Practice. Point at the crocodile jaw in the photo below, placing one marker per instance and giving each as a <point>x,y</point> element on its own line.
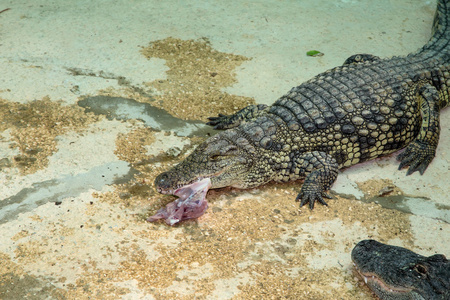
<point>182,188</point>
<point>379,287</point>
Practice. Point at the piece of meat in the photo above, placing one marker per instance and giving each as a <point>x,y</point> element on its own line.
<point>190,204</point>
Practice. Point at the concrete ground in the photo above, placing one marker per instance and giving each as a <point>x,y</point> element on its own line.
<point>99,97</point>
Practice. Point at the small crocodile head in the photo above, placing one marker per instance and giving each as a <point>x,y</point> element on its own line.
<point>397,273</point>
<point>225,158</point>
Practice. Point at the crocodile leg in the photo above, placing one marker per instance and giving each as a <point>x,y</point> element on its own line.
<point>246,114</point>
<point>419,154</point>
<point>360,58</point>
<point>323,170</point>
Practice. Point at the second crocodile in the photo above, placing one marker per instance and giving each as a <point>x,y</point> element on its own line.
<point>395,273</point>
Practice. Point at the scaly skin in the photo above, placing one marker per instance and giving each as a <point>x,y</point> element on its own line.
<point>396,273</point>
<point>367,108</point>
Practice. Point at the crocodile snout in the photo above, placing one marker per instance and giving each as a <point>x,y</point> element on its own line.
<point>162,182</point>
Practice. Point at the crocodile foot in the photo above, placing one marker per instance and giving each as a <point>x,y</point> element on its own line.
<point>311,194</point>
<point>244,115</point>
<point>220,122</point>
<point>417,155</point>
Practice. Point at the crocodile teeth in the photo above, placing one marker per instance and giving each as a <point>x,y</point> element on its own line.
<point>365,279</point>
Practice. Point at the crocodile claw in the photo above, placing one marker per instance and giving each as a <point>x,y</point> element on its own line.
<point>220,122</point>
<point>311,197</point>
<point>417,155</point>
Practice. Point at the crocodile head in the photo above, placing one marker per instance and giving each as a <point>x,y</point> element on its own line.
<point>397,273</point>
<point>226,159</point>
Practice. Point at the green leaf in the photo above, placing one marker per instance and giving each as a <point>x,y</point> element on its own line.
<point>314,53</point>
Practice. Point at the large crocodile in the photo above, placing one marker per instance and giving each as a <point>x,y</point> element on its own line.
<point>366,108</point>
<point>396,273</point>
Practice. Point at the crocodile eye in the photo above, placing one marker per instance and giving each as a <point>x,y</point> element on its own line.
<point>223,153</point>
<point>229,151</point>
<point>421,269</point>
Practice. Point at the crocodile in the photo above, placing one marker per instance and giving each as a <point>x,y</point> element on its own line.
<point>397,273</point>
<point>366,108</point>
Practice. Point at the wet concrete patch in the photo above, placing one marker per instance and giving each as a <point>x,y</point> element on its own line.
<point>19,285</point>
<point>419,206</point>
<point>385,193</point>
<point>126,109</point>
<point>56,190</point>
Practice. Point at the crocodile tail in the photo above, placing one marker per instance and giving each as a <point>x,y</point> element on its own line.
<point>439,44</point>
